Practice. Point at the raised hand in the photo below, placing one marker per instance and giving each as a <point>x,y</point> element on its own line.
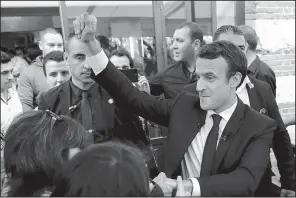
<point>85,27</point>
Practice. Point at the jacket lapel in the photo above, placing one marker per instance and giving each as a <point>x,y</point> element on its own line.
<point>108,109</point>
<point>183,134</point>
<point>228,134</point>
<point>254,97</point>
<point>61,106</point>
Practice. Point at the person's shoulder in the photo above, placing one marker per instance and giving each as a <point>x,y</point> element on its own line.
<point>264,68</point>
<point>171,67</point>
<point>51,93</point>
<point>256,119</point>
<point>260,85</point>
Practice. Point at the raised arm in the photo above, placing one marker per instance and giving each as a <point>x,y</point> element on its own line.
<point>115,83</point>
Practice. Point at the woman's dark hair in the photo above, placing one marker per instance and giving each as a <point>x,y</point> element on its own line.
<point>56,56</point>
<point>122,52</point>
<point>36,146</point>
<point>107,169</point>
<point>235,57</point>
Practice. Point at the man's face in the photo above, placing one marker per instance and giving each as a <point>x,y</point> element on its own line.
<point>79,67</point>
<point>56,73</point>
<point>51,42</point>
<point>182,46</point>
<point>212,83</point>
<point>120,62</point>
<point>20,53</point>
<point>6,76</point>
<point>238,40</point>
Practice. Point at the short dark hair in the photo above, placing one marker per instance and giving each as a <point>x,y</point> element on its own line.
<point>48,30</point>
<point>235,57</point>
<point>250,36</point>
<point>56,56</point>
<point>226,29</point>
<point>20,48</point>
<point>195,31</point>
<point>5,58</point>
<point>111,168</point>
<point>36,147</point>
<point>122,52</point>
<point>104,41</point>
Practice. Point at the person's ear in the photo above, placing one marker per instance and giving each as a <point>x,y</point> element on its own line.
<point>235,80</point>
<point>40,45</point>
<point>196,44</point>
<point>66,57</point>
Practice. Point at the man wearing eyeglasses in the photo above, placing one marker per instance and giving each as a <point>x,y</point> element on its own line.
<point>258,95</point>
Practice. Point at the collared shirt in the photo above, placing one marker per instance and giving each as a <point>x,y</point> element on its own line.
<point>172,80</point>
<point>242,91</point>
<point>9,109</point>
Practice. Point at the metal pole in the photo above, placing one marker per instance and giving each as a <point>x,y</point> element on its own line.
<point>64,19</point>
<point>160,36</point>
<point>189,11</point>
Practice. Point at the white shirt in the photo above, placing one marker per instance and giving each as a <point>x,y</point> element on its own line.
<point>191,164</point>
<point>9,109</point>
<point>192,159</point>
<point>242,91</point>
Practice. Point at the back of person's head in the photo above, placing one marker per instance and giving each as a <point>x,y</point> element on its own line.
<point>235,57</point>
<point>106,169</point>
<point>37,144</point>
<point>33,53</point>
<point>121,52</point>
<point>226,29</point>
<point>195,31</point>
<point>56,56</point>
<point>5,58</point>
<point>250,36</point>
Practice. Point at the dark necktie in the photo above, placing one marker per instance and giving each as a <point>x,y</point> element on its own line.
<point>210,147</point>
<point>86,117</point>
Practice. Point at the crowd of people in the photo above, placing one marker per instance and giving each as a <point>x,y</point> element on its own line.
<point>73,123</point>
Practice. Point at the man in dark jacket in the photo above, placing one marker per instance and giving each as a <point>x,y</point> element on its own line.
<point>32,80</point>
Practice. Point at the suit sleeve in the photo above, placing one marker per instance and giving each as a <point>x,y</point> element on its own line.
<point>25,91</point>
<point>124,93</point>
<point>282,146</point>
<point>244,180</point>
<point>41,103</point>
<point>155,83</point>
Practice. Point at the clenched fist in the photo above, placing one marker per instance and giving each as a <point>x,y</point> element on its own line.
<point>85,27</point>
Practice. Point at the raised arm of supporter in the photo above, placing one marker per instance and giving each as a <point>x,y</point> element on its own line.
<point>115,83</point>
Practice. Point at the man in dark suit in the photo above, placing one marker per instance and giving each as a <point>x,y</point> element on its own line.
<point>256,67</point>
<point>97,112</point>
<point>219,145</point>
<point>258,95</point>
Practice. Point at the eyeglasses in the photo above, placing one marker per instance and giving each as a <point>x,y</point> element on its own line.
<point>54,117</point>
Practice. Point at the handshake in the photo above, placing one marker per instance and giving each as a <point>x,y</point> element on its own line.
<point>171,187</point>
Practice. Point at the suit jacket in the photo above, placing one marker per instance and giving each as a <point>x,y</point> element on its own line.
<point>240,160</point>
<point>261,71</point>
<point>120,123</point>
<point>262,100</point>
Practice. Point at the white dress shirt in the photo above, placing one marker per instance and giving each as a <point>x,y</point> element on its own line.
<point>192,159</point>
<point>191,163</point>
<point>242,91</point>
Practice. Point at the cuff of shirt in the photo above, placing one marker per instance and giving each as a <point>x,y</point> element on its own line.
<point>195,187</point>
<point>98,62</point>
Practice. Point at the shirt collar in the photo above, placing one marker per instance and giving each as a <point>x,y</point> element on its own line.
<point>244,84</point>
<point>77,91</point>
<point>9,94</point>
<point>226,114</point>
